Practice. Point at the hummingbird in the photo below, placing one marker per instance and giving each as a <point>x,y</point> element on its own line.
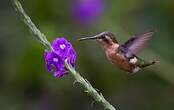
<point>124,55</point>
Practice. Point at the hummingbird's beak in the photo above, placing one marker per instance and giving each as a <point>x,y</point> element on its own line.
<point>89,38</point>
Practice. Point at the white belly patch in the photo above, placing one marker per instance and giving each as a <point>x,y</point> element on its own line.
<point>133,60</point>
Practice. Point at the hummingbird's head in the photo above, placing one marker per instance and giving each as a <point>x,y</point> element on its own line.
<point>104,38</point>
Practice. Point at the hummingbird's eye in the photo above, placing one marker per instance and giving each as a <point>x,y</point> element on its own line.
<point>103,37</point>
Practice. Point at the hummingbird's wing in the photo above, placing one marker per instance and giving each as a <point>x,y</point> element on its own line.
<point>136,44</point>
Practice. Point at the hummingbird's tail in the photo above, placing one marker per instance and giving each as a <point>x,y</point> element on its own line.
<point>145,64</point>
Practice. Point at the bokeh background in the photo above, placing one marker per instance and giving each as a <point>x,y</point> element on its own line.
<point>25,83</point>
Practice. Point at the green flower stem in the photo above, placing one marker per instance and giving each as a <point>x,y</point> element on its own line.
<point>89,89</point>
<point>40,36</point>
<point>78,78</point>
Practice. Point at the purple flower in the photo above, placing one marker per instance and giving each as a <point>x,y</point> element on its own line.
<point>87,11</point>
<point>55,59</point>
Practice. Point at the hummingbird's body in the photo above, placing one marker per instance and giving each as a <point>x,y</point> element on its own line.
<point>124,56</point>
<point>117,58</point>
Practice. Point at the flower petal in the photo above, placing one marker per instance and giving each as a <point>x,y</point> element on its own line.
<point>55,59</point>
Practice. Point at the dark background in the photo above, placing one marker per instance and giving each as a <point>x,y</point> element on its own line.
<point>25,83</point>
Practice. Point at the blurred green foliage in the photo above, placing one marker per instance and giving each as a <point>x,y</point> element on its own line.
<point>25,83</point>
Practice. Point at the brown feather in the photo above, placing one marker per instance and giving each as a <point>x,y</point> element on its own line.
<point>118,58</point>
